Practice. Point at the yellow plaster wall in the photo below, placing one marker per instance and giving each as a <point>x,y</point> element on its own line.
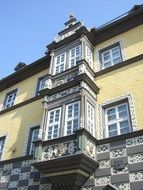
<point>26,89</point>
<point>128,79</point>
<point>132,42</point>
<point>15,124</point>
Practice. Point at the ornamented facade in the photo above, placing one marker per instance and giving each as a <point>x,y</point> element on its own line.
<point>72,120</point>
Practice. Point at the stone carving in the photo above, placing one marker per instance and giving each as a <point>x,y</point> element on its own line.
<point>118,153</point>
<point>108,102</point>
<point>137,176</point>
<point>63,149</point>
<point>119,171</point>
<point>90,149</point>
<point>102,180</point>
<point>122,186</point>
<point>60,150</point>
<point>63,93</point>
<point>134,141</point>
<point>105,164</point>
<point>103,148</point>
<point>136,158</point>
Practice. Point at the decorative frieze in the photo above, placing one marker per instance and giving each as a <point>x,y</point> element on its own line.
<point>134,141</point>
<point>135,158</point>
<point>123,186</point>
<point>59,150</point>
<point>136,176</point>
<point>114,100</point>
<point>99,181</point>
<point>118,153</point>
<point>63,93</point>
<point>103,148</point>
<point>105,164</point>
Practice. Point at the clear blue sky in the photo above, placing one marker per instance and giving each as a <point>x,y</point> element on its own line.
<point>27,26</point>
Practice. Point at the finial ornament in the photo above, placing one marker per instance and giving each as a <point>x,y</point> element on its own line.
<point>71,16</point>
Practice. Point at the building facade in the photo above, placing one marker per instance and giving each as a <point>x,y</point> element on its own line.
<point>72,120</point>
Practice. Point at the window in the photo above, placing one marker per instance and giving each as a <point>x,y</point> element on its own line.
<point>75,56</point>
<point>2,141</point>
<point>117,120</point>
<point>89,57</point>
<point>53,123</point>
<point>111,56</point>
<point>72,117</point>
<point>43,83</point>
<point>33,136</point>
<point>10,99</point>
<point>90,119</point>
<point>60,62</point>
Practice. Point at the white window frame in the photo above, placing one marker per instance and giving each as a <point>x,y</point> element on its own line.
<point>32,140</point>
<point>43,84</point>
<point>117,120</point>
<point>53,123</point>
<point>89,56</point>
<point>2,142</point>
<point>10,103</point>
<point>91,119</point>
<point>111,60</point>
<point>74,58</point>
<point>71,119</point>
<point>61,63</point>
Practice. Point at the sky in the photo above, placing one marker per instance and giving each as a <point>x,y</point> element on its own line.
<point>27,26</point>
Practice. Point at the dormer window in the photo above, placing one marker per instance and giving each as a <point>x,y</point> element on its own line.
<point>60,62</point>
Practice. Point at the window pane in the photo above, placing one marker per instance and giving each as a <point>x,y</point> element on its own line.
<point>107,64</point>
<point>106,56</point>
<point>124,127</point>
<point>116,61</point>
<point>111,111</point>
<point>112,130</point>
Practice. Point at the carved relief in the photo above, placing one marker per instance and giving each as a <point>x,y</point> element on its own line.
<point>118,153</point>
<point>103,148</point>
<point>90,149</point>
<point>136,158</point>
<point>102,180</point>
<point>137,176</point>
